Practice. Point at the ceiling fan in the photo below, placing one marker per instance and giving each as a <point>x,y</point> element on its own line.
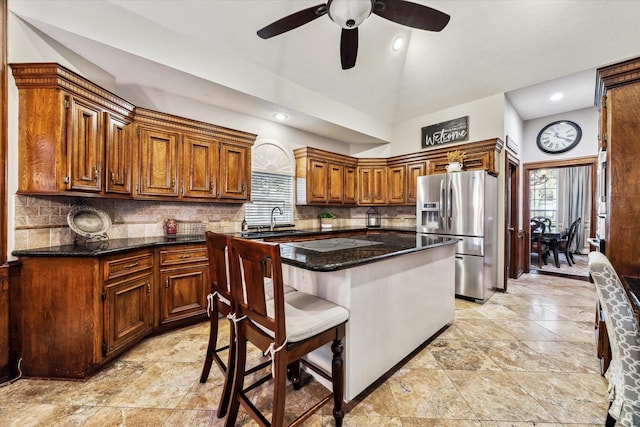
<point>349,14</point>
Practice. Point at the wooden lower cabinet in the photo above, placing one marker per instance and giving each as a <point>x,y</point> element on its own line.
<point>184,283</point>
<point>127,297</point>
<point>71,315</point>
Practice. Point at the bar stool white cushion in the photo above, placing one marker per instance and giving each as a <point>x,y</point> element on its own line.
<point>622,327</point>
<point>307,315</point>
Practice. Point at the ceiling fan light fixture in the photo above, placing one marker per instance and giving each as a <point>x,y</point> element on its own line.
<point>397,44</point>
<point>349,14</point>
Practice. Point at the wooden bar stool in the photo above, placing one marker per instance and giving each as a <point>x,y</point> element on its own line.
<point>220,305</point>
<point>287,327</point>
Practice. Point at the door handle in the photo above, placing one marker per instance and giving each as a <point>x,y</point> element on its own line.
<point>511,229</point>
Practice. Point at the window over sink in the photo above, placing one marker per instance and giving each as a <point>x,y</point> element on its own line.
<point>272,184</point>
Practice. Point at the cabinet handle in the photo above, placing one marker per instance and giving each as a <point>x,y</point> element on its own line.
<point>173,183</point>
<point>148,287</point>
<point>166,283</point>
<point>113,176</point>
<point>185,256</point>
<point>135,264</point>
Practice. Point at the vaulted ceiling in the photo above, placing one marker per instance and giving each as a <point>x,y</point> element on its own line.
<point>209,51</point>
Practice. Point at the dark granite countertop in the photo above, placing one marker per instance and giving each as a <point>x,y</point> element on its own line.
<point>107,247</point>
<point>373,245</point>
<point>379,246</point>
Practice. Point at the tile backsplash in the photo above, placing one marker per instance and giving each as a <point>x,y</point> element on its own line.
<point>42,221</point>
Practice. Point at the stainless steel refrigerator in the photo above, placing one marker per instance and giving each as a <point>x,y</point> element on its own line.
<point>463,206</point>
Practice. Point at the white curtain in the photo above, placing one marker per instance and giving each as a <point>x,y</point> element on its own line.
<point>575,185</point>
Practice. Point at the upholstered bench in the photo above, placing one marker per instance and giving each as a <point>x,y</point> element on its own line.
<point>624,371</point>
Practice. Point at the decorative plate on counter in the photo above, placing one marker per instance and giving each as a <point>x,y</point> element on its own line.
<point>88,222</point>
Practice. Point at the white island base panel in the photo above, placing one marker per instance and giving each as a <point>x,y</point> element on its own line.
<point>394,305</point>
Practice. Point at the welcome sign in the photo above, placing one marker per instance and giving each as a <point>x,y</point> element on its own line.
<point>445,132</point>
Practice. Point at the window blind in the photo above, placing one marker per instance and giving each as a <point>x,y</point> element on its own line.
<point>267,192</point>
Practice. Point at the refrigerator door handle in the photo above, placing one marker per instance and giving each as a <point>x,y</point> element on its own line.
<point>441,206</point>
<point>449,205</point>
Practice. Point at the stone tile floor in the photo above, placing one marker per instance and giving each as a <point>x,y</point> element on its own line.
<point>524,358</point>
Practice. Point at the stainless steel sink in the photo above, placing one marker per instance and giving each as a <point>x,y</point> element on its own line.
<point>269,233</point>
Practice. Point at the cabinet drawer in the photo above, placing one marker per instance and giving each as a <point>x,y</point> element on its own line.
<point>122,266</point>
<point>183,255</point>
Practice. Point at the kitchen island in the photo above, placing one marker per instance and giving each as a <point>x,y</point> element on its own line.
<point>399,289</point>
<point>77,308</point>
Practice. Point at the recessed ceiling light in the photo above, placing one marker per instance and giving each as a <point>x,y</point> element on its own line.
<point>281,116</point>
<point>398,42</point>
<point>557,96</point>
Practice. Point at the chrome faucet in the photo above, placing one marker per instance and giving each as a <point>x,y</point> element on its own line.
<point>273,220</point>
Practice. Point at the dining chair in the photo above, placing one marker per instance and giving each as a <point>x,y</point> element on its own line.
<point>623,330</point>
<point>287,327</point>
<point>220,304</point>
<point>538,245</point>
<point>565,245</point>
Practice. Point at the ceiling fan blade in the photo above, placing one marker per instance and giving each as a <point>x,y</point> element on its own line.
<point>292,21</point>
<point>411,14</point>
<point>348,48</point>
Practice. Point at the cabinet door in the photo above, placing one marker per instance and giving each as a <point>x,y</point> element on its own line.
<point>317,178</point>
<point>184,292</point>
<point>85,148</point>
<point>234,174</point>
<point>118,155</point>
<point>158,164</point>
<point>350,185</point>
<point>372,185</point>
<point>128,314</point>
<point>200,167</point>
<point>336,183</point>
<point>397,183</point>
<point>414,170</point>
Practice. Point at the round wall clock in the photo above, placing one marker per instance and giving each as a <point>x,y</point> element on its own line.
<point>558,137</point>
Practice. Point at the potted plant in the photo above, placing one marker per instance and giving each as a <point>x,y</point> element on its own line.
<point>326,219</point>
<point>456,160</point>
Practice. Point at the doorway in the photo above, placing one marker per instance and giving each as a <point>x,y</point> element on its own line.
<point>539,172</point>
<point>512,268</point>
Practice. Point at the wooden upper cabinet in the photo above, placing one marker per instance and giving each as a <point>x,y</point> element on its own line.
<point>199,177</point>
<point>86,145</point>
<point>158,163</point>
<point>481,155</point>
<point>64,131</point>
<point>235,171</point>
<point>209,163</point>
<point>318,173</point>
<point>414,170</point>
<point>118,155</point>
<point>42,155</point>
<point>75,138</point>
<point>372,183</point>
<point>350,188</point>
<point>335,187</point>
<point>397,184</point>
<point>324,178</point>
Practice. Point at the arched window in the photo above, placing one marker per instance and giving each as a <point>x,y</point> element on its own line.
<point>272,185</point>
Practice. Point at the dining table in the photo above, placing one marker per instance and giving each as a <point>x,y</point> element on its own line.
<point>554,238</point>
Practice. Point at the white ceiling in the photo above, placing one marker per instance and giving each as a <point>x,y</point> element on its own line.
<point>209,51</point>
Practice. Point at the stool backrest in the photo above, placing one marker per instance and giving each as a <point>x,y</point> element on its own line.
<point>217,245</point>
<point>249,263</point>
